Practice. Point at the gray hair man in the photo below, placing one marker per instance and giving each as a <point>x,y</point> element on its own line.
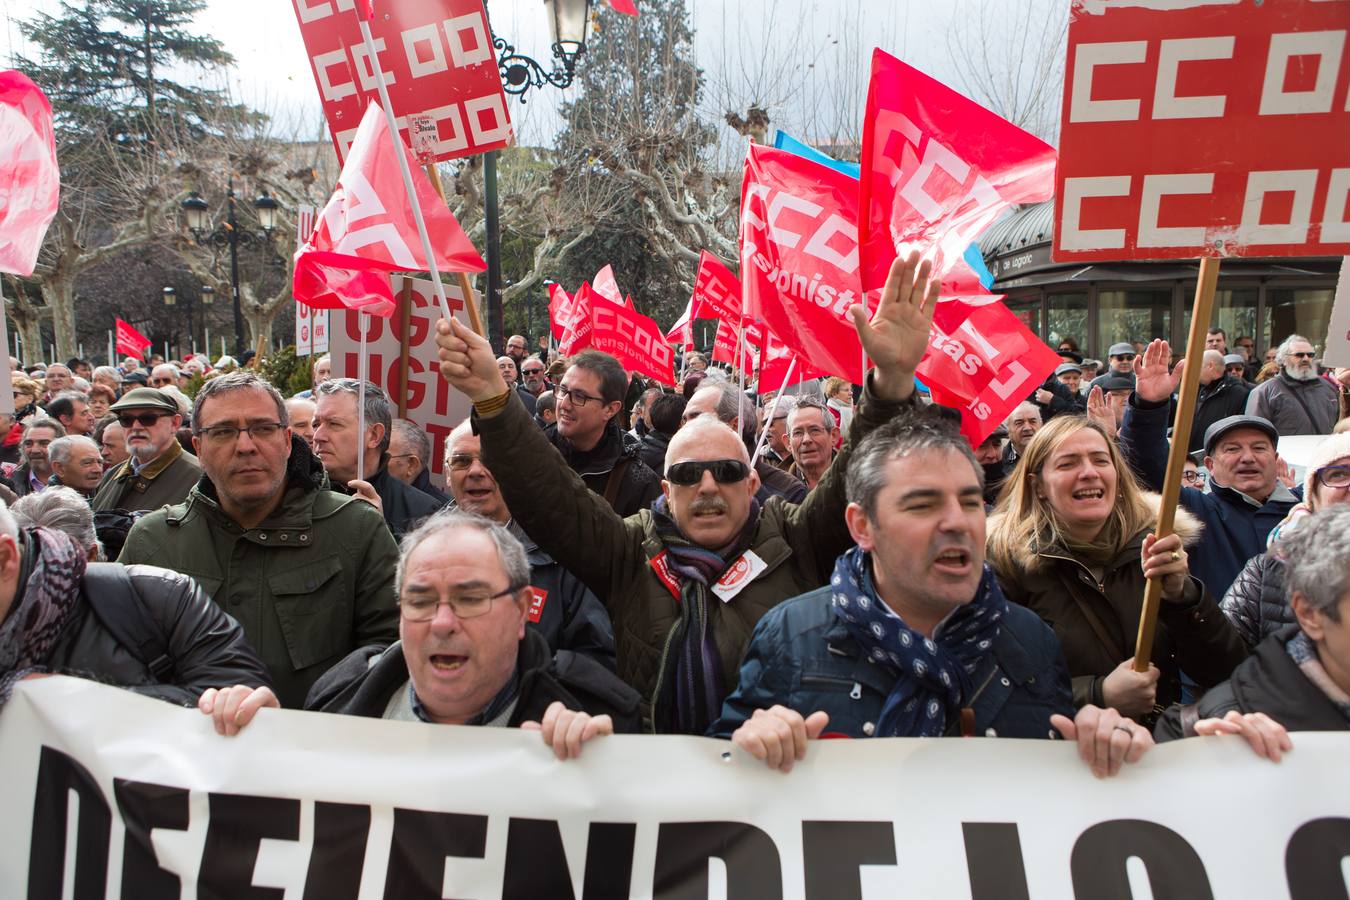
<point>1221,395</point>
<point>306,571</point>
<point>64,510</point>
<point>32,474</point>
<point>812,432</point>
<point>339,443</point>
<point>301,412</point>
<point>410,458</point>
<point>159,470</point>
<point>464,654</point>
<point>1297,400</point>
<point>734,410</point>
<point>915,621</point>
<point>76,463</point>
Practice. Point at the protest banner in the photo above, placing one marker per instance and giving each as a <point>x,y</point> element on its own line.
<point>30,179</point>
<point>559,310</point>
<point>431,402</point>
<point>717,292</point>
<point>577,328</point>
<point>107,788</point>
<point>635,340</point>
<point>1204,128</point>
<point>438,61</point>
<point>130,341</point>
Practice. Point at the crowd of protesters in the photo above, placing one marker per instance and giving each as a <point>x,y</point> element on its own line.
<point>608,556</point>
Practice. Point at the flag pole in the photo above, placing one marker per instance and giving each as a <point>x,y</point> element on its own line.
<point>403,168</point>
<point>361,396</point>
<point>405,322</point>
<point>465,287</point>
<point>773,408</point>
<point>1171,492</point>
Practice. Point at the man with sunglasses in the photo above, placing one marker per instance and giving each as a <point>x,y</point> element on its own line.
<point>686,581</point>
<point>306,571</point>
<point>159,471</point>
<point>1121,363</point>
<point>1297,400</point>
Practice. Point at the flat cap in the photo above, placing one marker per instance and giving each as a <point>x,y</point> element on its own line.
<point>1121,349</point>
<point>145,398</point>
<point>1223,426</point>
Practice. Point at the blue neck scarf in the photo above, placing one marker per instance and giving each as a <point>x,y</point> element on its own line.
<point>933,675</point>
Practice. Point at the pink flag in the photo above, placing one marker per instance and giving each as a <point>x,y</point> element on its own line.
<point>937,169</point>
<point>577,332</point>
<point>724,347</point>
<point>559,310</point>
<point>774,364</point>
<point>683,329</point>
<point>30,181</point>
<point>606,286</point>
<point>333,287</point>
<point>368,224</point>
<point>627,7</point>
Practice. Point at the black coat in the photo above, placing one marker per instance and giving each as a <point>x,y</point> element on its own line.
<point>652,450</point>
<point>1269,682</point>
<point>1221,398</point>
<point>1256,604</point>
<point>359,687</point>
<point>404,506</point>
<point>423,483</point>
<point>638,485</point>
<point>206,646</point>
<point>1064,402</point>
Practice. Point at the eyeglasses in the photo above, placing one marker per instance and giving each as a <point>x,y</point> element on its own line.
<point>1125,356</point>
<point>223,435</point>
<point>1335,477</point>
<point>159,381</point>
<point>533,371</point>
<point>1193,477</point>
<point>145,419</point>
<point>461,461</point>
<point>1303,355</point>
<point>814,431</point>
<point>468,606</point>
<point>724,471</point>
<point>575,397</point>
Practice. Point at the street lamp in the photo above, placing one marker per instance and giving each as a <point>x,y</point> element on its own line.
<point>170,296</point>
<point>568,21</point>
<point>197,217</point>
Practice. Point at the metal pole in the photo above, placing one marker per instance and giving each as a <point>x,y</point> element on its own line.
<point>496,327</point>
<point>234,273</point>
<point>361,401</point>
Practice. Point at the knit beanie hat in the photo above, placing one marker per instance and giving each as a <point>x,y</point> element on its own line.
<point>1335,447</point>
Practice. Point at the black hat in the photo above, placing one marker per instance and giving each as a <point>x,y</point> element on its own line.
<point>145,398</point>
<point>1223,426</point>
<point>1117,382</point>
<point>1070,354</point>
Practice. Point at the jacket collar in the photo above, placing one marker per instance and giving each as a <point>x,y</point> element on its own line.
<point>152,469</point>
<point>595,461</point>
<point>305,476</point>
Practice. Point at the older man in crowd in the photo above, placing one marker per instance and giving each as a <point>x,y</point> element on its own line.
<point>410,458</point>
<point>32,474</point>
<point>1120,362</point>
<point>1221,395</point>
<point>76,463</point>
<point>159,471</point>
<point>112,443</point>
<point>812,433</point>
<point>1022,424</point>
<point>685,580</point>
<point>71,409</point>
<point>1244,501</point>
<point>57,379</point>
<point>301,412</point>
<point>308,572</point>
<point>734,410</point>
<point>339,443</point>
<point>1297,400</point>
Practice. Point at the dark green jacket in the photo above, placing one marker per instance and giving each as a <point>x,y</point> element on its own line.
<point>312,583</point>
<point>613,556</point>
<point>167,479</point>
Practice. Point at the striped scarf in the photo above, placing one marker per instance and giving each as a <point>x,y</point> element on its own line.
<point>41,607</point>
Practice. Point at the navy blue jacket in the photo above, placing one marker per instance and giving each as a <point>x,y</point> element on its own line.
<point>802,656</point>
<point>1235,530</point>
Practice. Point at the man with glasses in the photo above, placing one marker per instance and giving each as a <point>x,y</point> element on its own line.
<point>533,380</point>
<point>306,571</point>
<point>165,375</point>
<point>1191,475</point>
<point>57,379</point>
<point>686,580</point>
<point>464,656</point>
<point>158,471</point>
<point>410,459</point>
<point>1297,400</point>
<point>811,437</point>
<point>1121,363</point>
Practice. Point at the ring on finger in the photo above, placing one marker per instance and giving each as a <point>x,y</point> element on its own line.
<point>1125,728</point>
<point>1176,556</point>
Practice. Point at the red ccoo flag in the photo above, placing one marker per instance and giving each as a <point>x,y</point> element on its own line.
<point>368,226</point>
<point>130,341</point>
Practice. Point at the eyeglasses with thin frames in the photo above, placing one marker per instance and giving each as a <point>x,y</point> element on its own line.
<point>575,397</point>
<point>223,435</point>
<point>468,606</point>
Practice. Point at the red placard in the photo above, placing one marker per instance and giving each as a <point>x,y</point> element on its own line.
<point>633,339</point>
<point>438,61</point>
<point>1210,128</point>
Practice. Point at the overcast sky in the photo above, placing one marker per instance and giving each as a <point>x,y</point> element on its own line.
<point>828,43</point>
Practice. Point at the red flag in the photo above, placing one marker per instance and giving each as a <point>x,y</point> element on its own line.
<point>559,310</point>
<point>683,329</point>
<point>627,7</point>
<point>634,340</point>
<point>333,287</point>
<point>130,342</point>
<point>577,334</point>
<point>774,364</point>
<point>716,291</point>
<point>937,169</point>
<point>605,285</point>
<point>368,224</point>
<point>30,181</point>
<point>799,256</point>
<point>724,347</point>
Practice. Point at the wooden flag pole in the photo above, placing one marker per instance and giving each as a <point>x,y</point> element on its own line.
<point>470,304</point>
<point>405,321</point>
<point>1181,430</point>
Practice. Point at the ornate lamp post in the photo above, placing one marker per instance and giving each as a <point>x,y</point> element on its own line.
<point>568,21</point>
<point>197,215</point>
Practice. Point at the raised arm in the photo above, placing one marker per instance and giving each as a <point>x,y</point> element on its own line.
<point>1143,433</point>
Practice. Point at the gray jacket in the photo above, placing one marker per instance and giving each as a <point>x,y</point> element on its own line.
<point>1277,399</point>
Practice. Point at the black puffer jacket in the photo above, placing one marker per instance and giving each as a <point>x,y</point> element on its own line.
<point>638,485</point>
<point>1255,603</point>
<point>206,646</point>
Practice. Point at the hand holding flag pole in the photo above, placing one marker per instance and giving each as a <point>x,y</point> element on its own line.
<point>773,409</point>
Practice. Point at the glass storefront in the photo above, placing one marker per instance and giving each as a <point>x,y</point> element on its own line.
<point>1132,314</point>
<point>1304,311</point>
<point>1234,312</point>
<point>1066,316</point>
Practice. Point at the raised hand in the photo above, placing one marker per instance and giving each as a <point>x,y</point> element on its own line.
<point>896,337</point>
<point>1100,411</point>
<point>1152,381</point>
<point>467,361</point>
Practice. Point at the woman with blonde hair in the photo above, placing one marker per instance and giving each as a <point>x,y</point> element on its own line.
<point>1072,539</point>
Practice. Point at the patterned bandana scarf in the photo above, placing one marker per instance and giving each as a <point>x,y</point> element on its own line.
<point>1304,654</point>
<point>933,675</point>
<point>41,607</point>
<point>692,684</point>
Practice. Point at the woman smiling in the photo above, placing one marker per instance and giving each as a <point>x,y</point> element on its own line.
<point>1071,538</point>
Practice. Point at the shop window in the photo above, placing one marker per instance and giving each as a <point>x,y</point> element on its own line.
<point>1133,316</point>
<point>1067,317</point>
<point>1304,311</point>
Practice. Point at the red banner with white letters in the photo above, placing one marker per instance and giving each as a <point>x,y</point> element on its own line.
<point>717,292</point>
<point>439,63</point>
<point>30,179</point>
<point>937,169</point>
<point>799,256</point>
<point>1204,129</point>
<point>577,326</point>
<point>130,341</point>
<point>559,310</point>
<point>633,339</point>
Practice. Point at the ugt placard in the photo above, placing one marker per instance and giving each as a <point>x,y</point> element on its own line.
<point>438,62</point>
<point>1205,128</point>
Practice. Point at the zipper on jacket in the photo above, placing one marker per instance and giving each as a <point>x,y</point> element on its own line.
<point>855,687</point>
<point>980,689</point>
<point>1101,585</point>
<point>661,672</point>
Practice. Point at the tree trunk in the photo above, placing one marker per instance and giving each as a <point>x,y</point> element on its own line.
<point>58,290</point>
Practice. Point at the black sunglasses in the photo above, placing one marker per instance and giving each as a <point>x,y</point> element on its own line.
<point>146,420</point>
<point>724,471</point>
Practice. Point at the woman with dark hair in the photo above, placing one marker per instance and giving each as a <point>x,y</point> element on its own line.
<point>1067,539</point>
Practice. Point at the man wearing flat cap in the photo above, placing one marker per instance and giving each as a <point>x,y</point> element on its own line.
<point>159,471</point>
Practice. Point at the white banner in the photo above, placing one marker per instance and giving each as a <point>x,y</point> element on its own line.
<point>1338,329</point>
<point>104,787</point>
<point>432,403</point>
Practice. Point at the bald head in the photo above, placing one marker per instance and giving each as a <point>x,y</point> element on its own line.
<point>1211,366</point>
<point>705,438</point>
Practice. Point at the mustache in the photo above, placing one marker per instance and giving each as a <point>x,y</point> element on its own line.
<point>707,504</point>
